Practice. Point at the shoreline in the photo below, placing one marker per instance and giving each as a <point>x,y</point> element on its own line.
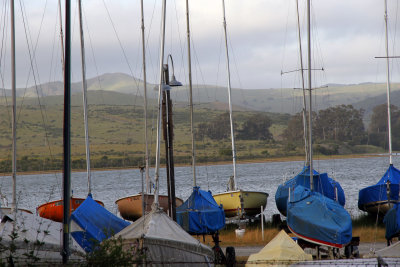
<point>246,161</point>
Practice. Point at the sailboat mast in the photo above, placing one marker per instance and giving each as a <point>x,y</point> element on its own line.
<point>61,34</point>
<point>307,162</point>
<point>310,94</point>
<point>85,104</point>
<point>160,87</point>
<point>14,111</point>
<point>190,94</point>
<point>146,153</point>
<point>230,100</point>
<point>67,134</point>
<point>388,86</point>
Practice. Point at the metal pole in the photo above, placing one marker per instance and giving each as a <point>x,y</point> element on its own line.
<point>143,203</point>
<point>14,111</point>
<point>307,162</point>
<point>230,100</point>
<point>146,156</point>
<point>157,167</point>
<point>66,134</point>
<point>310,95</point>
<point>85,104</point>
<point>190,95</point>
<point>388,86</point>
<point>262,223</point>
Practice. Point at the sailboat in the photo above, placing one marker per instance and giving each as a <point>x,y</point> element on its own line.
<point>26,238</point>
<point>54,210</point>
<point>199,214</point>
<point>164,241</point>
<point>237,202</point>
<point>392,217</point>
<point>379,198</point>
<point>134,206</point>
<point>323,183</point>
<point>312,216</point>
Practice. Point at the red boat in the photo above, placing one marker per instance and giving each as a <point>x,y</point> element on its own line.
<point>54,210</point>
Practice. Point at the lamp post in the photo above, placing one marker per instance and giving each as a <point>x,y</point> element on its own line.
<point>169,134</point>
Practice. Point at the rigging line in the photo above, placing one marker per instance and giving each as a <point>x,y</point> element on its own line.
<point>32,54</point>
<point>120,44</point>
<point>180,42</point>
<point>32,59</point>
<point>2,56</point>
<point>150,59</point>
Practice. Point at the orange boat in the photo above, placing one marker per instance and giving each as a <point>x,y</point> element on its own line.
<point>130,207</point>
<point>54,210</point>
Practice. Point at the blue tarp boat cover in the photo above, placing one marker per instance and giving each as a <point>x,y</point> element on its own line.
<point>374,193</point>
<point>200,214</point>
<point>392,222</point>
<point>317,218</point>
<point>91,223</point>
<point>322,184</point>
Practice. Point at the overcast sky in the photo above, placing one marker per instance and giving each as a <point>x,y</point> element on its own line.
<point>347,35</point>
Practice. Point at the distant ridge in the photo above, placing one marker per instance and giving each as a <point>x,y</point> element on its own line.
<point>122,89</point>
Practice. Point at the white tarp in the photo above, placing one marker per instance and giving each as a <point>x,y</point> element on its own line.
<point>280,251</point>
<point>36,240</point>
<point>392,251</point>
<point>165,241</point>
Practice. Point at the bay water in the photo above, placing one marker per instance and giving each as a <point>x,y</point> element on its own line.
<point>352,173</point>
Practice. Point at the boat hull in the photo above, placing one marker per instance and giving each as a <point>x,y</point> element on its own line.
<point>131,209</point>
<point>373,199</point>
<point>55,210</point>
<point>392,222</point>
<point>322,184</point>
<point>318,219</point>
<point>233,201</point>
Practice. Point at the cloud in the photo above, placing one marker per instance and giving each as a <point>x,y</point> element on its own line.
<point>262,38</point>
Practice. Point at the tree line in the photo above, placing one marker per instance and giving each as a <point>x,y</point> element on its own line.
<point>342,124</point>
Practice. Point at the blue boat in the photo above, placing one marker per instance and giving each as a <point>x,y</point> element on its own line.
<point>91,223</point>
<point>376,198</point>
<point>315,211</point>
<point>392,222</point>
<point>318,219</point>
<point>200,214</point>
<point>322,184</point>
<point>380,197</point>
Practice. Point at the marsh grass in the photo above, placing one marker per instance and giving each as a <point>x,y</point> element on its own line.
<point>253,236</point>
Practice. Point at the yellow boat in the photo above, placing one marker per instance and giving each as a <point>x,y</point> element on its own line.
<point>241,203</point>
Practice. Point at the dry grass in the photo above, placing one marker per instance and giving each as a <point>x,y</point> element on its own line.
<point>253,236</point>
<point>370,234</point>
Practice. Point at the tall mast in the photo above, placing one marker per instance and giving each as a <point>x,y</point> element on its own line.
<point>14,111</point>
<point>160,87</point>
<point>146,156</point>
<point>61,34</point>
<point>307,162</point>
<point>230,100</point>
<point>190,94</point>
<point>85,104</point>
<point>67,134</point>
<point>388,86</point>
<point>310,94</point>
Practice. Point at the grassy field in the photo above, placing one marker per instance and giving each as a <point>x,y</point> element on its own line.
<point>117,136</point>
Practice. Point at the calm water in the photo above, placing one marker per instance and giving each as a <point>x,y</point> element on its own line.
<point>108,186</point>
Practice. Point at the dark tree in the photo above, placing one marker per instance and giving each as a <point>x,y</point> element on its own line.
<point>216,129</point>
<point>295,130</point>
<point>340,123</point>
<point>256,128</point>
<point>379,117</point>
